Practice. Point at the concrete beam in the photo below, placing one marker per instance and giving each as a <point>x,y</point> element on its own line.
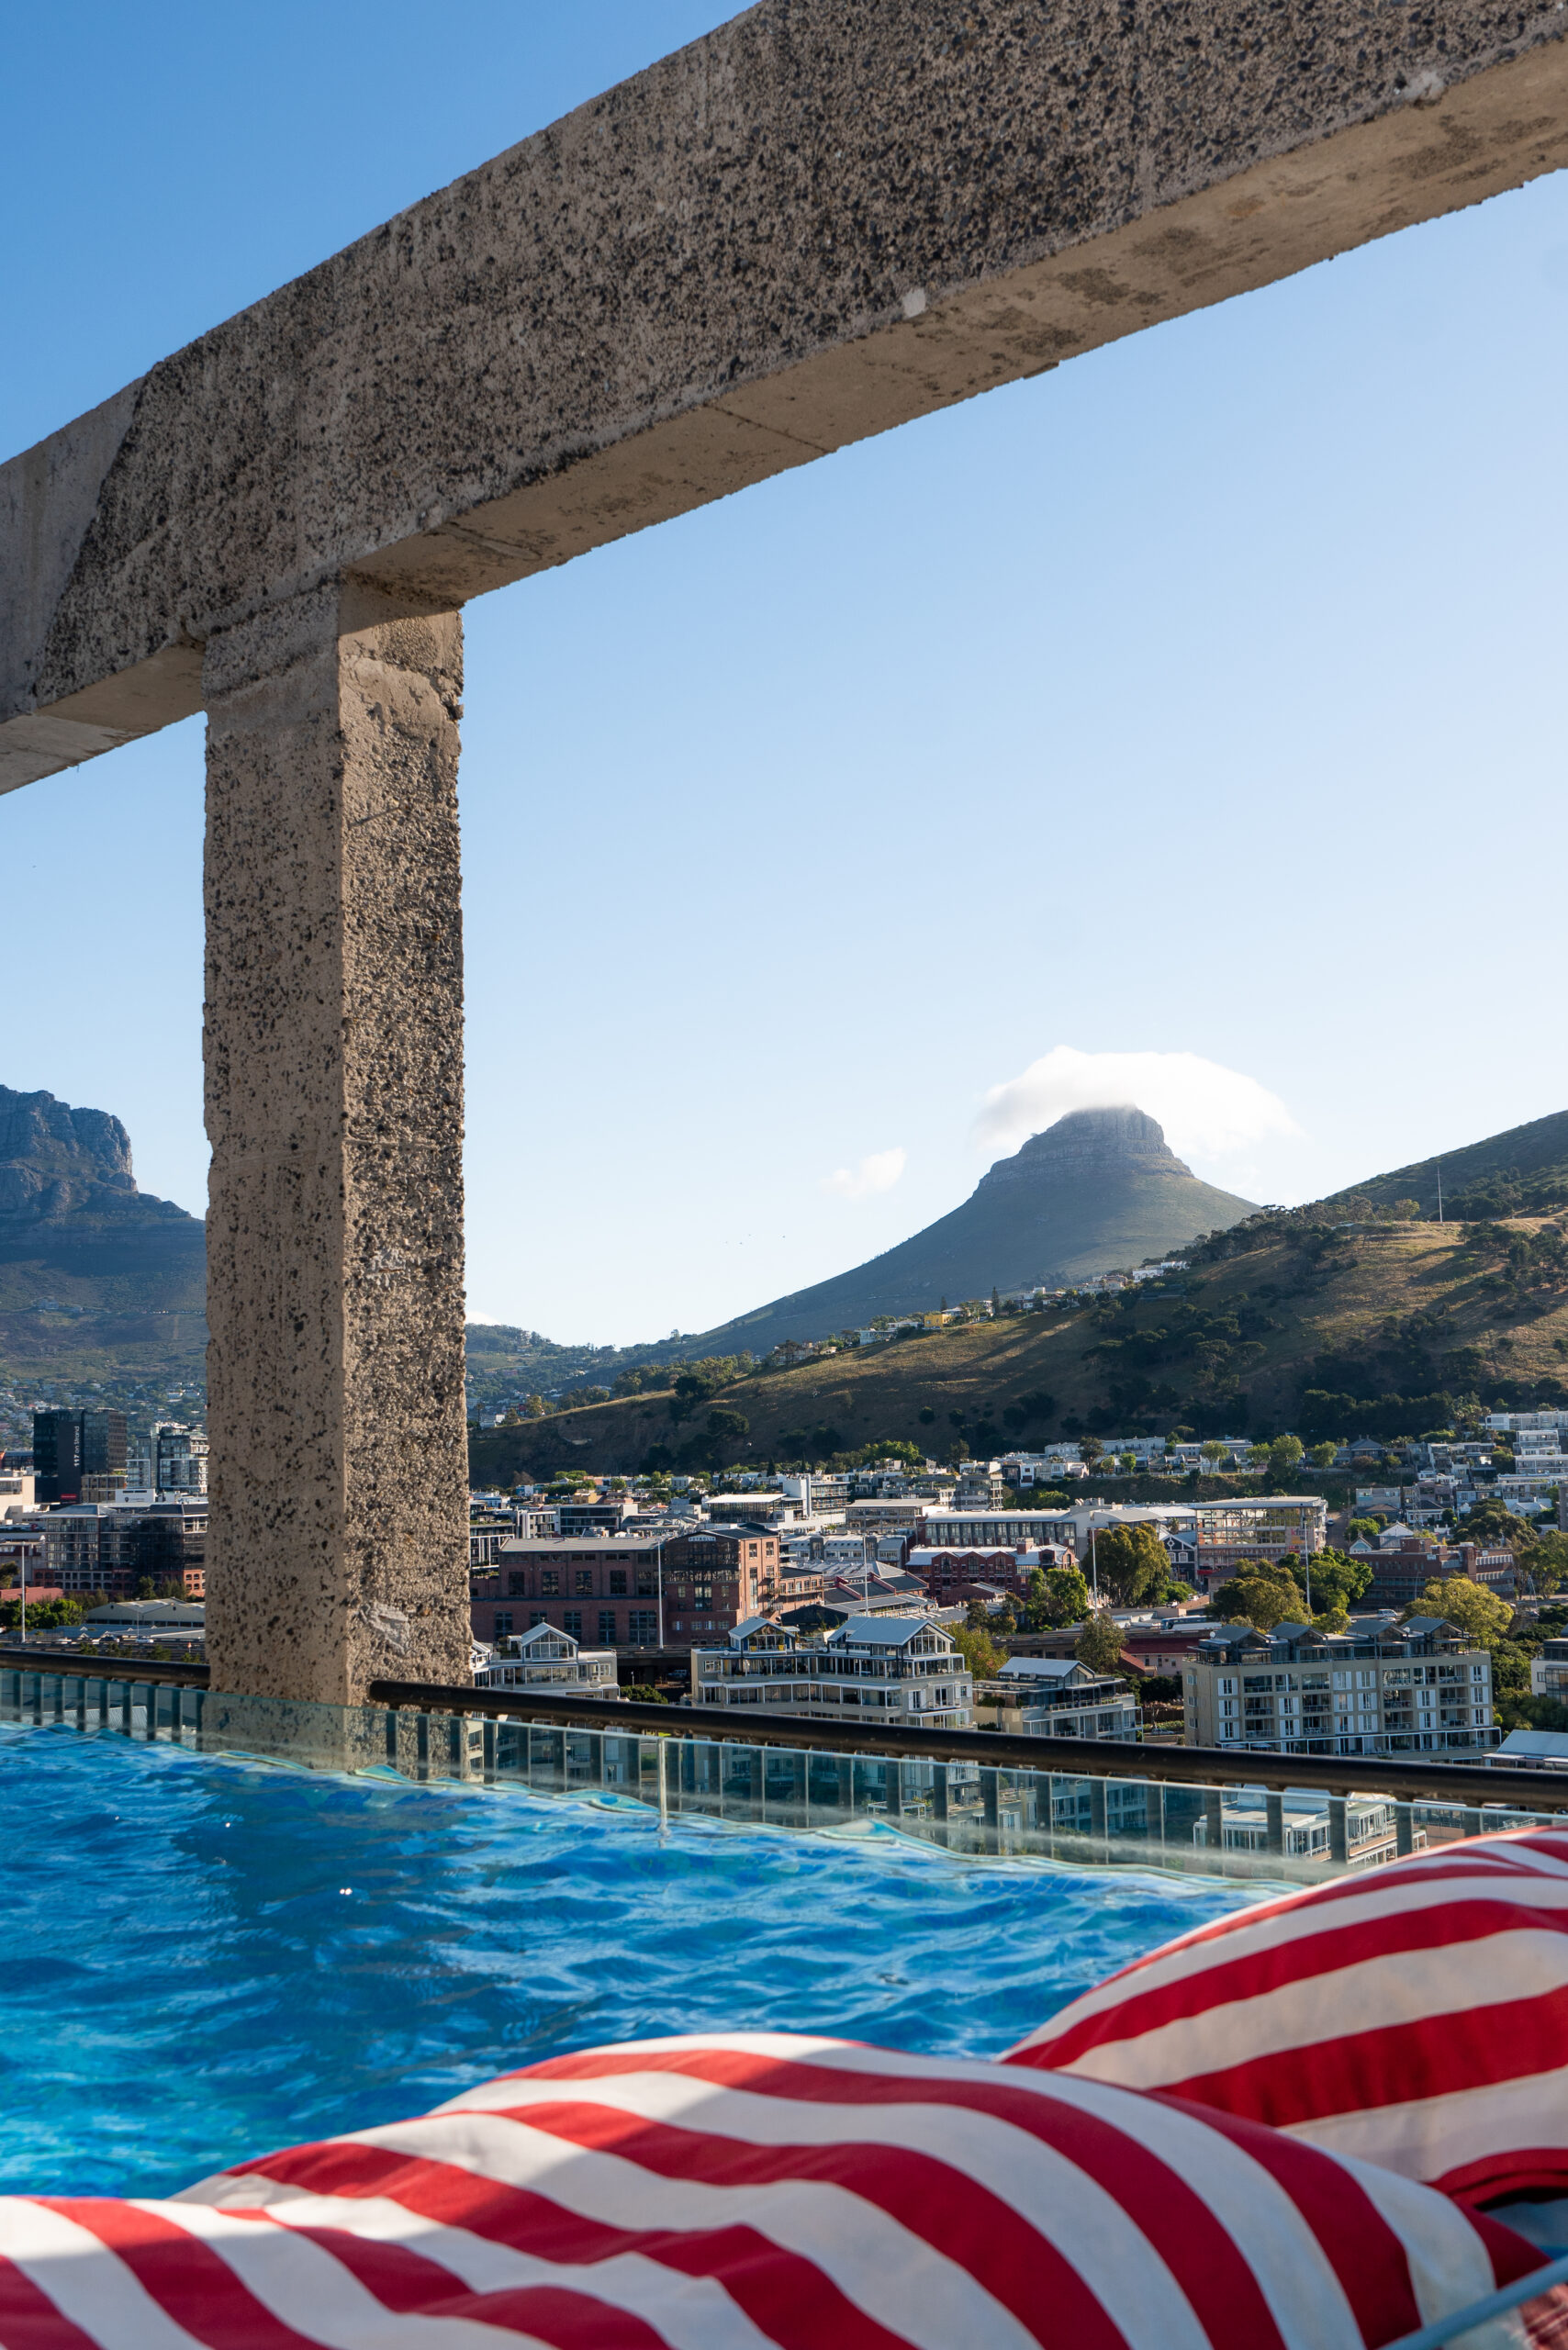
<point>825,218</point>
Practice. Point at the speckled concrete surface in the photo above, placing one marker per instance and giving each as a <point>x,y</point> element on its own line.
<point>338,1543</point>
<point>825,217</point>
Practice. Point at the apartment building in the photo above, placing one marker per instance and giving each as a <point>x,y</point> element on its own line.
<point>629,1592</point>
<point>601,1585</point>
<point>1549,1670</point>
<point>1231,1534</point>
<point>115,1547</point>
<point>1403,1562</point>
<point>547,1658</point>
<point>1043,1696</point>
<point>870,1669</point>
<point>947,1574</point>
<point>994,1529</point>
<point>1382,1689</point>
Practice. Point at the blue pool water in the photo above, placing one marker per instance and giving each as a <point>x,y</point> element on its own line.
<point>204,1958</point>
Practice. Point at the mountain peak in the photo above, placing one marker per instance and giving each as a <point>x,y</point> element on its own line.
<point>1115,1133</point>
<point>53,1157</point>
<point>1098,1189</point>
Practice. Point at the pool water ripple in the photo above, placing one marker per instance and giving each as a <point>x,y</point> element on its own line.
<point>207,1958</point>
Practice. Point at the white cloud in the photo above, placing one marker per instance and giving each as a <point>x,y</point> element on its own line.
<point>1203,1108</point>
<point>878,1172</point>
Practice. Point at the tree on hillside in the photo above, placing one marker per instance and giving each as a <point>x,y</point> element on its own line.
<point>1322,1456</point>
<point>1547,1560</point>
<point>1494,1526</point>
<point>1099,1645</point>
<point>1283,1454</point>
<point>1131,1562</point>
<point>1089,1448</point>
<point>1479,1614</point>
<point>1215,1452</point>
<point>726,1427</point>
<point>1260,1596</point>
<point>1362,1529</point>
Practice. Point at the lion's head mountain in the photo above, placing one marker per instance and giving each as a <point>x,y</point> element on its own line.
<point>1100,1188</point>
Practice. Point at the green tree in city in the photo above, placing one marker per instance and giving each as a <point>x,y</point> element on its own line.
<point>980,1652</point>
<point>1284,1455</point>
<point>1322,1456</point>
<point>1329,1578</point>
<point>1494,1527</point>
<point>1131,1562</point>
<point>1362,1529</point>
<point>1100,1644</point>
<point>1213,1453</point>
<point>1067,1595</point>
<point>1260,1595</point>
<point>1478,1613</point>
<point>1547,1560</point>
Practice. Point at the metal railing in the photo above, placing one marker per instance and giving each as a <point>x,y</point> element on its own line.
<point>1105,1803</point>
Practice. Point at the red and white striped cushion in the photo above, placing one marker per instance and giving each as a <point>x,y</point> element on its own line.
<point>736,2193</point>
<point>1416,2017</point>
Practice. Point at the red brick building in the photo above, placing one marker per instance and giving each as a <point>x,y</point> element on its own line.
<point>947,1573</point>
<point>607,1590</point>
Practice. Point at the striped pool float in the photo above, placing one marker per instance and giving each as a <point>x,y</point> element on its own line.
<point>1416,2017</point>
<point>736,2192</point>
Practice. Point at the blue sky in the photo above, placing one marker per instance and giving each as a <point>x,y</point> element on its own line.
<point>1201,697</point>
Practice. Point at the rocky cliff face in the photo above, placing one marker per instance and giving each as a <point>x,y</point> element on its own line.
<point>1098,1189</point>
<point>53,1159</point>
<point>88,1263</point>
<point>1117,1138</point>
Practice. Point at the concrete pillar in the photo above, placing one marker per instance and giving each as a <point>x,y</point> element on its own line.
<point>338,1534</point>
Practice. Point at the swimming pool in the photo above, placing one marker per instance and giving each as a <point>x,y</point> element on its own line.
<point>205,1957</point>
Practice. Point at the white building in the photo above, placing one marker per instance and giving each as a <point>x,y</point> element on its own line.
<point>1385,1688</point>
<point>870,1668</point>
<point>1055,1696</point>
<point>1549,1670</point>
<point>147,1619</point>
<point>1531,1750</point>
<point>547,1659</point>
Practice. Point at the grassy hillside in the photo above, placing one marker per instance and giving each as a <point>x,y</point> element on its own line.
<point>1525,1170</point>
<point>1286,1323</point>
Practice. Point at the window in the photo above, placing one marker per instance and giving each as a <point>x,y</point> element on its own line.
<point>641,1628</point>
<point>550,1582</point>
<point>573,1622</point>
<point>582,1582</point>
<point>644,1582</point>
<point>606,1622</point>
<point>618,1582</point>
<point>516,1584</point>
<point>503,1622</point>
